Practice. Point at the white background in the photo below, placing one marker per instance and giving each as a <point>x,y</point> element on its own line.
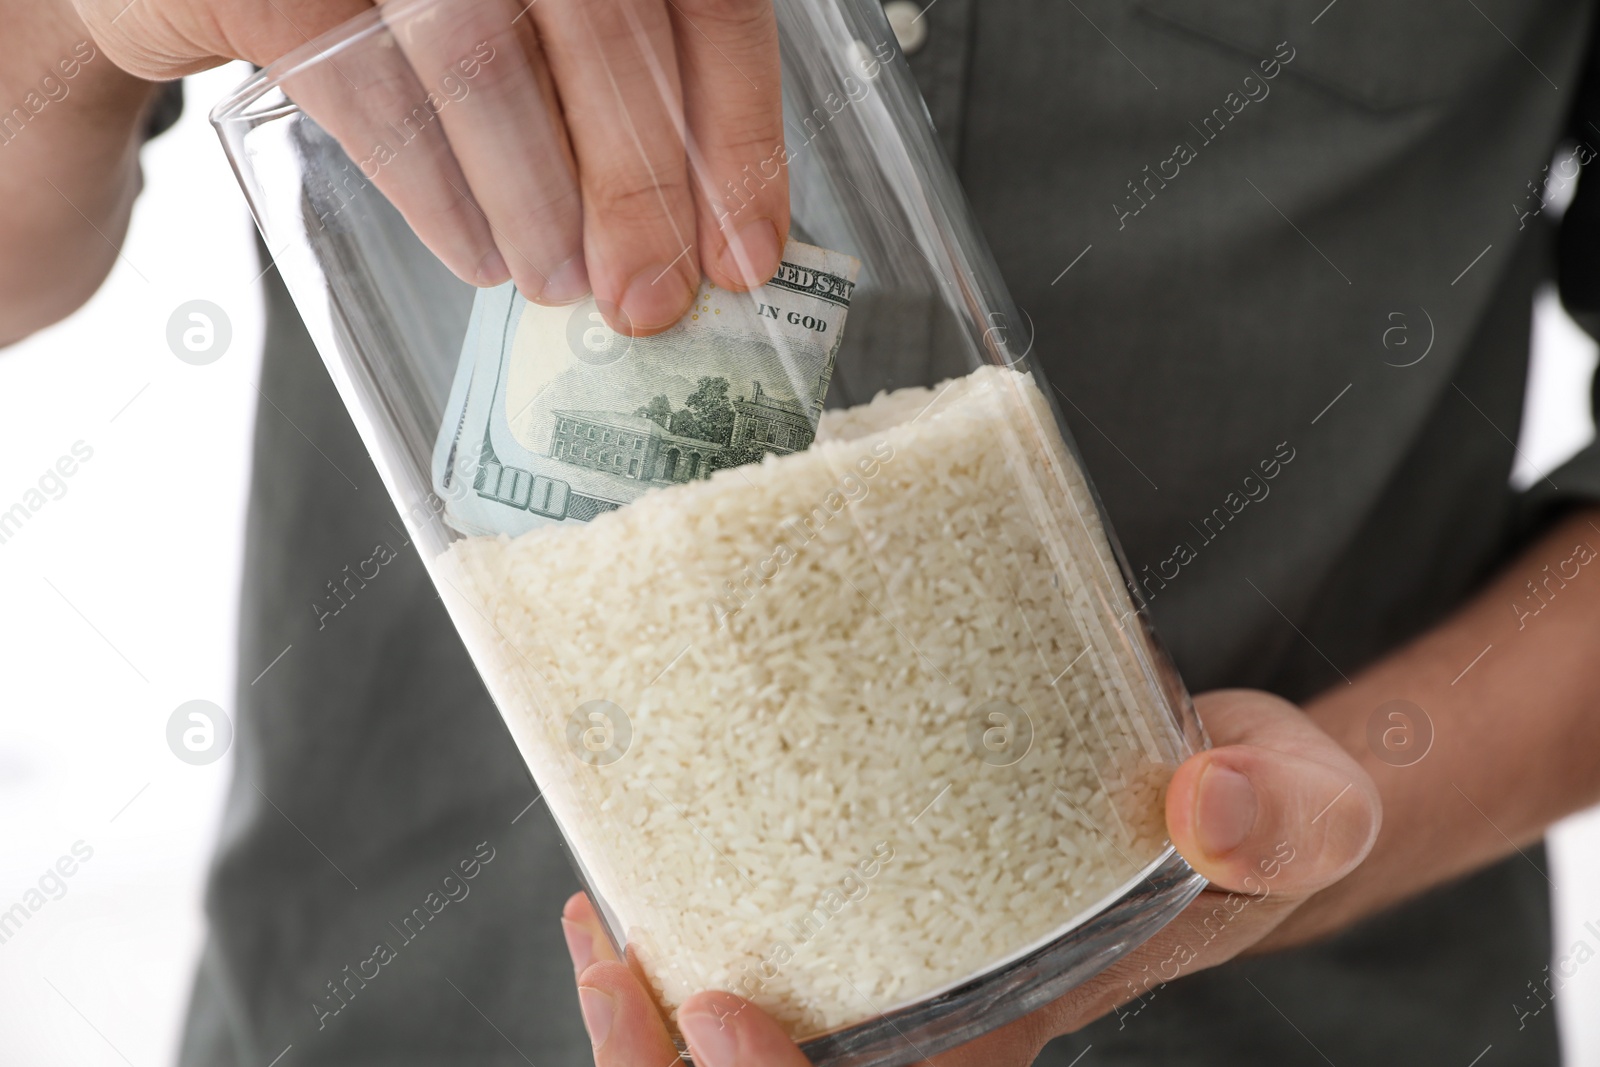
<point>117,604</point>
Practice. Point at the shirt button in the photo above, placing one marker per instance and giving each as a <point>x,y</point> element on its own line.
<point>910,28</point>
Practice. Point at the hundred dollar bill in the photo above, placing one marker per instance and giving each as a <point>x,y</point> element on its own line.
<point>555,417</point>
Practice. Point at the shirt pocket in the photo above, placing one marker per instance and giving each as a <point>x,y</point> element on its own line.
<point>1380,54</point>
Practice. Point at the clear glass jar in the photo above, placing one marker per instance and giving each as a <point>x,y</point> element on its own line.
<point>868,728</point>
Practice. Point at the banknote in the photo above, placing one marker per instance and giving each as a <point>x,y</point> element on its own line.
<point>555,417</point>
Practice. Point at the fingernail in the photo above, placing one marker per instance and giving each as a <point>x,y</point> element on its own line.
<point>753,252</point>
<point>580,945</point>
<point>1225,810</point>
<point>492,269</point>
<point>711,1039</point>
<point>567,283</point>
<point>657,296</point>
<point>597,1012</point>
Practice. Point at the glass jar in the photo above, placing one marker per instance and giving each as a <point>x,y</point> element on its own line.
<point>803,614</point>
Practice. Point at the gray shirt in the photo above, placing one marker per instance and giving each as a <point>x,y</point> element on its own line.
<point>1212,211</point>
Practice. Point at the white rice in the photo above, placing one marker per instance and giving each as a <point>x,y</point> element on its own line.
<point>801,648</point>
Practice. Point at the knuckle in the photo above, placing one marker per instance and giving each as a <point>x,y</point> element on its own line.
<point>499,73</point>
<point>639,195</point>
<point>556,222</point>
<point>615,26</point>
<point>757,141</point>
<point>475,49</point>
<point>138,48</point>
<point>393,95</point>
<point>730,15</point>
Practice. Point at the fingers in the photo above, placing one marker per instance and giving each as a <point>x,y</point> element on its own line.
<point>722,1030</point>
<point>587,943</point>
<point>557,144</point>
<point>1277,795</point>
<point>626,179</point>
<point>623,1025</point>
<point>158,42</point>
<point>728,1031</point>
<point>616,64</point>
<point>733,102</point>
<point>499,111</point>
<point>387,122</point>
<point>1272,814</point>
<point>1277,806</point>
<point>384,114</point>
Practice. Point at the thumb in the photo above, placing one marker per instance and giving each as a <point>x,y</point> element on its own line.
<point>1277,799</point>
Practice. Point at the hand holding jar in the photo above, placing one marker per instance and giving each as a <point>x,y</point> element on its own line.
<point>1274,813</point>
<point>564,144</point>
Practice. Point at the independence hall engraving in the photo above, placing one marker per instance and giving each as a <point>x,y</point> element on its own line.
<point>641,449</point>
<point>629,446</point>
<point>763,420</point>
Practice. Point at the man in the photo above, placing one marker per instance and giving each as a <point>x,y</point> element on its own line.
<point>1214,212</point>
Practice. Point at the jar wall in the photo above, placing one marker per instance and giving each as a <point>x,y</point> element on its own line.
<point>869,732</point>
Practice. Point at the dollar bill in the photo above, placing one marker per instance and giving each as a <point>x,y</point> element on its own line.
<point>554,417</point>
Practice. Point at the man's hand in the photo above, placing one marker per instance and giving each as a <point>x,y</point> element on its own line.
<point>69,149</point>
<point>1274,813</point>
<point>722,1030</point>
<point>564,164</point>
